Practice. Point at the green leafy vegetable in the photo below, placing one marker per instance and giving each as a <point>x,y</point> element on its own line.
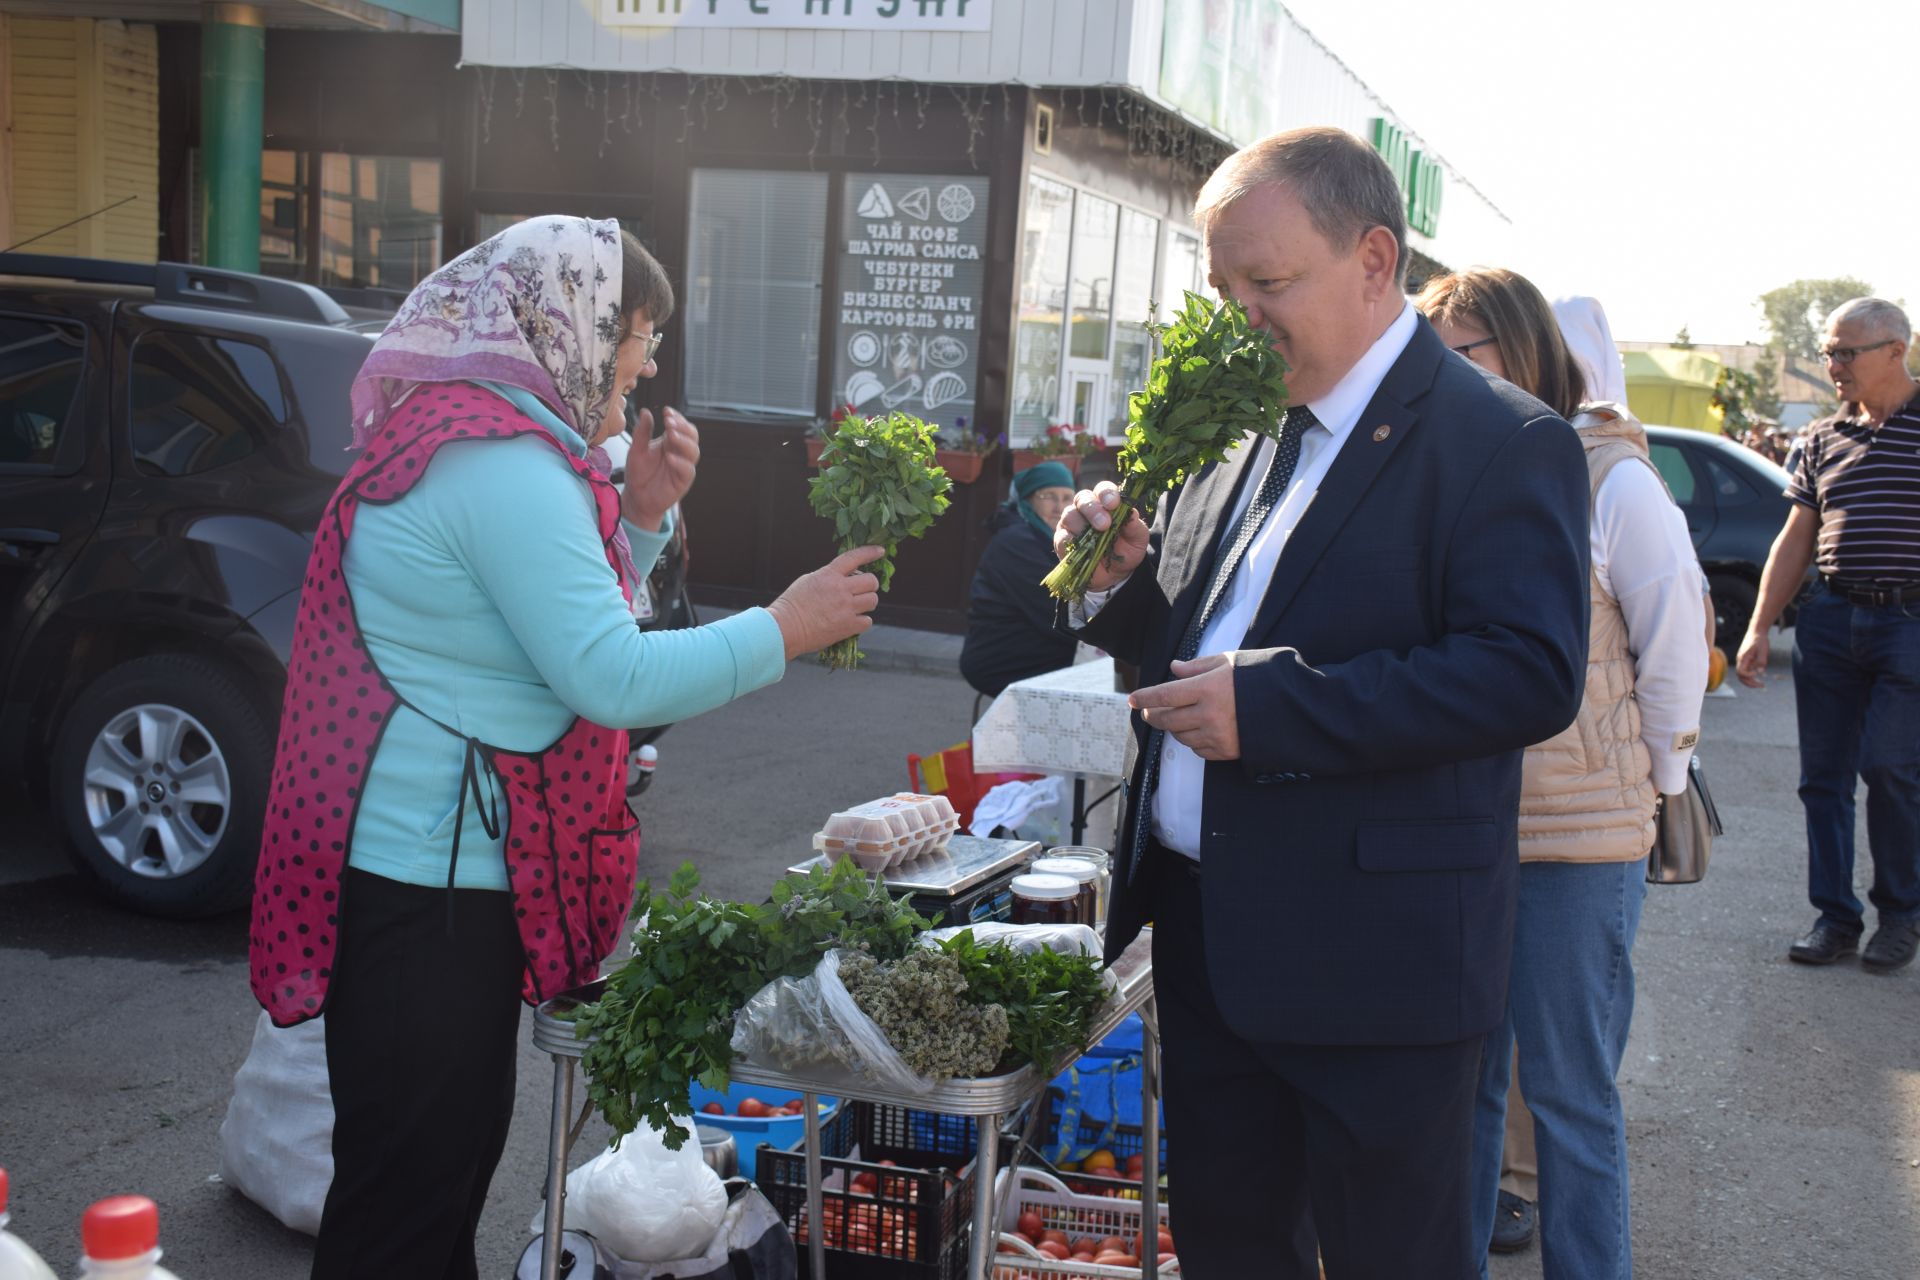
<point>667,1017</point>
<point>879,485</point>
<point>921,1004</point>
<point>1051,998</point>
<point>1218,380</point>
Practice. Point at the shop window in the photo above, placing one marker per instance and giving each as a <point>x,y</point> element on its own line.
<point>1096,234</point>
<point>363,222</point>
<point>755,263</point>
<point>1184,271</point>
<point>1044,247</point>
<point>1133,304</point>
<point>199,403</point>
<point>41,363</point>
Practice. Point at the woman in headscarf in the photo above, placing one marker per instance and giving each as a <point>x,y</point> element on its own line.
<point>447,829</point>
<point>1588,797</point>
<point>1010,631</point>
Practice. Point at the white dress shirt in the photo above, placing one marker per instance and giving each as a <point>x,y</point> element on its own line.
<point>1177,796</point>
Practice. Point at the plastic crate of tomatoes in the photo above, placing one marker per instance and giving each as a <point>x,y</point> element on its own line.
<point>896,1191</point>
<point>1050,1231</point>
<point>1108,1158</point>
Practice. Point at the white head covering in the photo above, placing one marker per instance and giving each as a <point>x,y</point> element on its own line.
<point>1588,336</point>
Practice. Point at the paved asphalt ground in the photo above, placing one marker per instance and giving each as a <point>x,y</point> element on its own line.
<point>1774,1111</point>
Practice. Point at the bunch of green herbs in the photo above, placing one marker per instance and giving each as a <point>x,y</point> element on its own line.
<point>666,1017</point>
<point>1051,998</point>
<point>879,485</point>
<point>1217,381</point>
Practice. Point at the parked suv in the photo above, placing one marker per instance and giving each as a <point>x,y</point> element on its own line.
<point>169,436</point>
<point>1734,503</point>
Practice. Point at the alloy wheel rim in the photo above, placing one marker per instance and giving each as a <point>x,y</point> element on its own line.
<point>157,790</point>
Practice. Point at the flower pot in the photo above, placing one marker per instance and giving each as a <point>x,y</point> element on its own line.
<point>1024,458</point>
<point>961,467</point>
<point>815,447</point>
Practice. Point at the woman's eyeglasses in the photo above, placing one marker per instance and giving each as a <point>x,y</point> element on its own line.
<point>649,343</point>
<point>1467,350</point>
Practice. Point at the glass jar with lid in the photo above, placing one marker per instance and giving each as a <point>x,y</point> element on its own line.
<point>1042,899</point>
<point>1102,865</point>
<point>1082,873</point>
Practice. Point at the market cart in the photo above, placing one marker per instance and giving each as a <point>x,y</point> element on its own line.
<point>987,1101</point>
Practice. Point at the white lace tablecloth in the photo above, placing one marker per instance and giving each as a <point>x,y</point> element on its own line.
<point>1065,721</point>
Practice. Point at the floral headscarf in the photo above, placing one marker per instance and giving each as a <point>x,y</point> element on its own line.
<point>537,307</point>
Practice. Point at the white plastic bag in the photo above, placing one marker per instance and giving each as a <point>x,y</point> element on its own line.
<point>646,1203</point>
<point>752,1240</point>
<point>1019,805</point>
<point>1025,939</point>
<point>276,1144</point>
<point>796,1023</point>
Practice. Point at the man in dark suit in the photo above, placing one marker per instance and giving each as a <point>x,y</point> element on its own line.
<point>1346,638</point>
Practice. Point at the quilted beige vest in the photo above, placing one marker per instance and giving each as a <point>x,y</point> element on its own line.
<point>1587,794</point>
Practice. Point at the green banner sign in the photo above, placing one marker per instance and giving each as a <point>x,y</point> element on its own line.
<point>1419,175</point>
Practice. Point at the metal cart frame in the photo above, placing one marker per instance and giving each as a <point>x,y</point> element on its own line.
<point>988,1101</point>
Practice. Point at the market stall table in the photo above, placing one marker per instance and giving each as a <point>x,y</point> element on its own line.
<point>1069,721</point>
<point>987,1101</point>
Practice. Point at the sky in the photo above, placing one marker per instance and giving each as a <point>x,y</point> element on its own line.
<point>1675,160</point>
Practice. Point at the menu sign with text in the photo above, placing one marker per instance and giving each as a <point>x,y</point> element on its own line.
<point>912,268</point>
<point>821,15</point>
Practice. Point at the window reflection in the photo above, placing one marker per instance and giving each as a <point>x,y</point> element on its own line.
<point>369,222</point>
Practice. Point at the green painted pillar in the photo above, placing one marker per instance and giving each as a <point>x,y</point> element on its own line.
<point>233,67</point>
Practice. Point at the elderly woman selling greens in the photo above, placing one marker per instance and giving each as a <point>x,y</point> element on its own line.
<point>447,828</point>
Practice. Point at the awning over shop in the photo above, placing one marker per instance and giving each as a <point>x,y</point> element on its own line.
<point>1673,387</point>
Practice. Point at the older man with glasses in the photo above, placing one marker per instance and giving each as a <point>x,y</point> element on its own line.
<point>1856,653</point>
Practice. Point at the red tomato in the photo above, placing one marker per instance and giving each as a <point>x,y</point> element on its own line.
<point>1110,1244</point>
<point>1057,1236</point>
<point>864,1183</point>
<point>1165,1242</point>
<point>753,1107</point>
<point>1030,1225</point>
<point>713,1109</point>
<point>1116,1260</point>
<point>1054,1249</point>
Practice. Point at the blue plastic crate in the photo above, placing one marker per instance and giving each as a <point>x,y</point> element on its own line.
<point>750,1131</point>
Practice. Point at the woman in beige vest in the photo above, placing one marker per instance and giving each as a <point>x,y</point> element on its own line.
<point>1588,797</point>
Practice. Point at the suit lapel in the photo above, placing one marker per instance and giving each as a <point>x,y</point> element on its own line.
<point>1193,539</point>
<point>1383,427</point>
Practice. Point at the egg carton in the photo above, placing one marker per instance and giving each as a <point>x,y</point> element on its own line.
<point>881,834</point>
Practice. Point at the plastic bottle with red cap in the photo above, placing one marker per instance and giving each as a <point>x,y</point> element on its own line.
<point>17,1261</point>
<point>120,1238</point>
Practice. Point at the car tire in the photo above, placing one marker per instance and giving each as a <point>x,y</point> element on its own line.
<point>160,774</point>
<point>1733,600</point>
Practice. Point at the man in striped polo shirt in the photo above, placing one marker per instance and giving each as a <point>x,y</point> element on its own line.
<point>1856,653</point>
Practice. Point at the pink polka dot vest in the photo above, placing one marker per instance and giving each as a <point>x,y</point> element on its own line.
<point>571,843</point>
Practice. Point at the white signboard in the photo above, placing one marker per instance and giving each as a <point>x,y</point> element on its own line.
<point>823,15</point>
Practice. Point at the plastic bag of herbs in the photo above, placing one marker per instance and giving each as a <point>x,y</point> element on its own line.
<point>956,1006</point>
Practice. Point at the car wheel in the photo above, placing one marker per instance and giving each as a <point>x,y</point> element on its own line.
<point>160,774</point>
<point>1733,601</point>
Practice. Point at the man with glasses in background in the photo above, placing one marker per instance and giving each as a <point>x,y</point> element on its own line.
<point>1856,653</point>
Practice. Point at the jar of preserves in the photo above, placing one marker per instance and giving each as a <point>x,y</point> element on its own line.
<point>1082,873</point>
<point>1102,866</point>
<point>1040,899</point>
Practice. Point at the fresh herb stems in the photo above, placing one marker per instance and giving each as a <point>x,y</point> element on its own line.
<point>1218,380</point>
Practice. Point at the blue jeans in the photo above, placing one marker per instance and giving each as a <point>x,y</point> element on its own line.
<point>1568,1005</point>
<point>1856,685</point>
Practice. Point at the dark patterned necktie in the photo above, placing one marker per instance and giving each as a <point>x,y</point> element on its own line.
<point>1286,456</point>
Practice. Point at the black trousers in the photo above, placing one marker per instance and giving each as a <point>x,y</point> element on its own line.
<point>1366,1147</point>
<point>422,1034</point>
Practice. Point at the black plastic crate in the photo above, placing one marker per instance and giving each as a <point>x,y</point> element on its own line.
<point>913,1224</point>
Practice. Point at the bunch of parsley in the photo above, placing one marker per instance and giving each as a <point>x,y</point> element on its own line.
<point>879,485</point>
<point>1218,380</point>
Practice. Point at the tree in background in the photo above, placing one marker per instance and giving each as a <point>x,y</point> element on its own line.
<point>1766,386</point>
<point>1734,392</point>
<point>1796,313</point>
<point>1683,339</point>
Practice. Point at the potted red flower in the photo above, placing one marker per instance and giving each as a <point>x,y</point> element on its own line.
<point>1058,443</point>
<point>963,453</point>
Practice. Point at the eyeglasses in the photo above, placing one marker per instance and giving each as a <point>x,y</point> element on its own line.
<point>1467,350</point>
<point>1845,355</point>
<point>650,343</point>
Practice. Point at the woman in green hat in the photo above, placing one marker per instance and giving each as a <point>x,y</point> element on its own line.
<point>1010,631</point>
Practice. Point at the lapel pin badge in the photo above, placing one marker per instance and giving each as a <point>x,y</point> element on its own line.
<point>1381,433</point>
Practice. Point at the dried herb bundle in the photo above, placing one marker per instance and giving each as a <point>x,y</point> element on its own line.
<point>1218,381</point>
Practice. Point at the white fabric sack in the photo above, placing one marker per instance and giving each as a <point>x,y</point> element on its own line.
<point>276,1144</point>
<point>1011,804</point>
<point>644,1202</point>
<point>751,1229</point>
